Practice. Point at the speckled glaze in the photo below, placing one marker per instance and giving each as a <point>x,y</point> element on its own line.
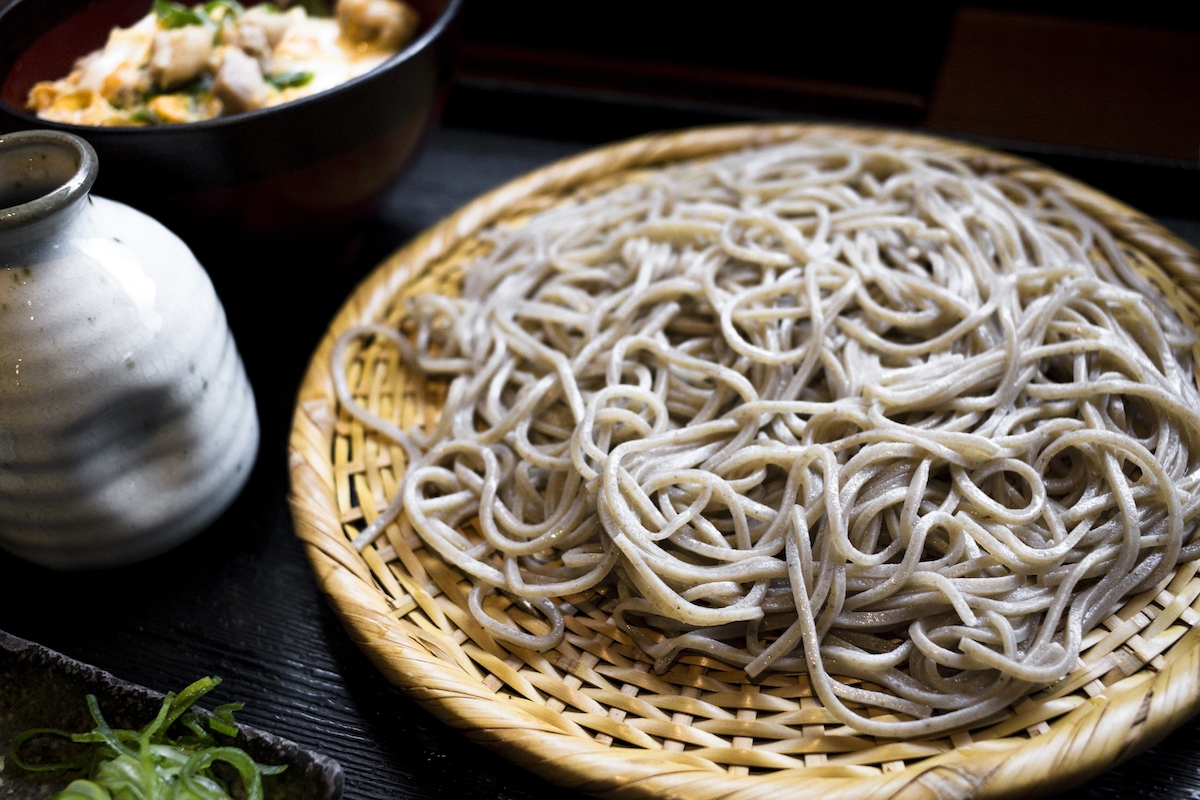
<point>127,423</point>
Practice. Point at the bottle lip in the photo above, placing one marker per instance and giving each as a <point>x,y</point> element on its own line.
<point>67,193</point>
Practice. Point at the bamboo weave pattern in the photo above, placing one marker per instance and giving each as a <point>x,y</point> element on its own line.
<point>592,714</point>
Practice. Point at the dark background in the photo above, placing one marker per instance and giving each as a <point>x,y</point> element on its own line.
<point>1116,77</point>
<point>1108,93</point>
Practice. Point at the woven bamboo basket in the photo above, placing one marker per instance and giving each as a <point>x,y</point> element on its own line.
<point>594,717</point>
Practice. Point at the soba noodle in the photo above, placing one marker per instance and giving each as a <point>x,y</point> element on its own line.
<point>820,408</point>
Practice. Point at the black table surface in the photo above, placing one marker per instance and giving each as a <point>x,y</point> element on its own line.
<point>239,600</point>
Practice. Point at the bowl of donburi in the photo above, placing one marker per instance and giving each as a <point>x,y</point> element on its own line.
<point>252,123</point>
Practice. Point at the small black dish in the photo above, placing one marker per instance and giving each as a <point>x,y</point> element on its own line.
<point>40,688</point>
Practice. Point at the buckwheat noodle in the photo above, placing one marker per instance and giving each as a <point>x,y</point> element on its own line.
<point>821,408</point>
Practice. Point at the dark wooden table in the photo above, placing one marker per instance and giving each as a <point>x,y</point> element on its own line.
<point>239,600</point>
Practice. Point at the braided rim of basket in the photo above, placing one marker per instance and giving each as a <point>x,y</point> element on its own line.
<point>565,718</point>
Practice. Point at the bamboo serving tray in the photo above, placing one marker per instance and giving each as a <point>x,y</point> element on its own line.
<point>593,716</point>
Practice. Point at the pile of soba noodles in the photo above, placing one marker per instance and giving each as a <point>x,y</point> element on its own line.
<point>819,408</point>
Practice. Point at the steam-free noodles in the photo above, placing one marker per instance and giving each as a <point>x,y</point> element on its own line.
<point>818,408</point>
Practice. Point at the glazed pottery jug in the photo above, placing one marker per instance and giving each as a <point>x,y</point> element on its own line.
<point>127,423</point>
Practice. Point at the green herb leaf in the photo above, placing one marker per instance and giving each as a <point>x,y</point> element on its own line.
<point>149,764</point>
<point>200,85</point>
<point>84,790</point>
<point>286,80</point>
<point>77,762</point>
<point>175,15</point>
<point>233,9</point>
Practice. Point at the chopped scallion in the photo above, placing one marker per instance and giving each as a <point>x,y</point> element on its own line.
<point>286,80</point>
<point>175,15</point>
<point>232,9</point>
<point>150,764</point>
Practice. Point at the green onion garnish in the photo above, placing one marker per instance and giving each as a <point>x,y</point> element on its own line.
<point>286,80</point>
<point>149,764</point>
<point>175,15</point>
<point>233,9</point>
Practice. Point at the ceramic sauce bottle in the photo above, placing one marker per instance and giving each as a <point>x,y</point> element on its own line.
<point>127,423</point>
